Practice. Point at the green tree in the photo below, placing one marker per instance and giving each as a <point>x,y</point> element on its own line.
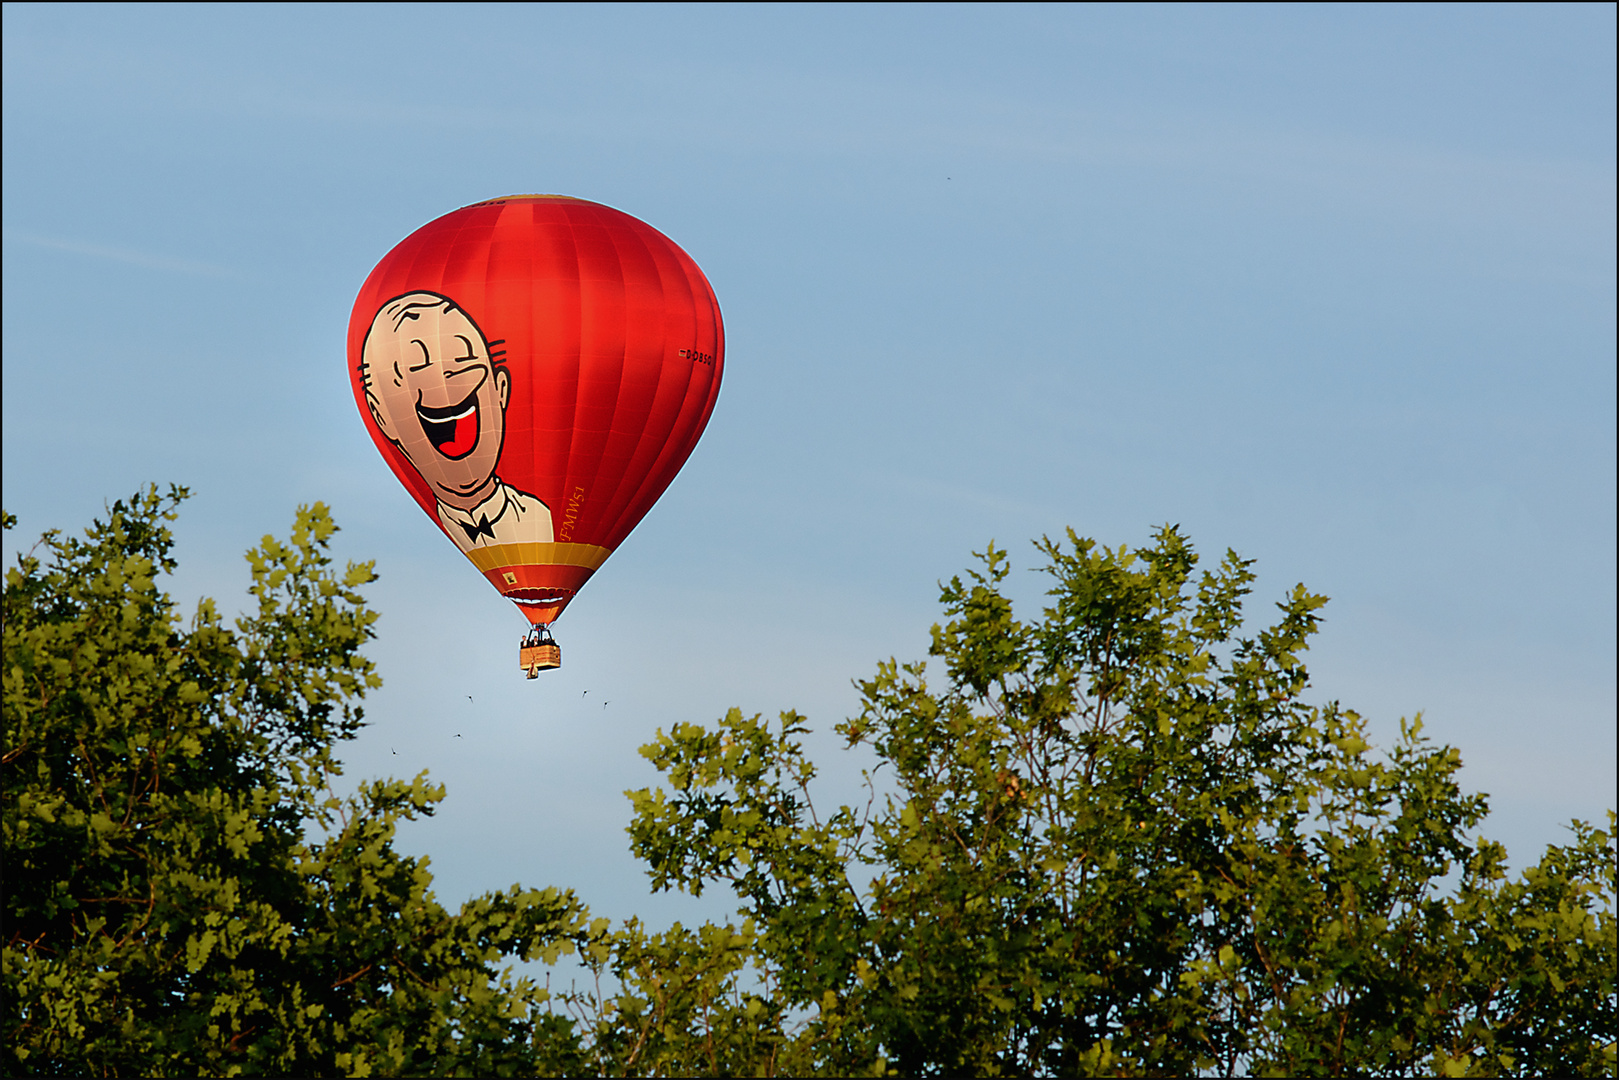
<point>1112,840</point>
<point>164,912</point>
<point>1117,840</point>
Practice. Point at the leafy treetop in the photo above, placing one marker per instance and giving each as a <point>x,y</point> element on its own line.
<point>1115,840</point>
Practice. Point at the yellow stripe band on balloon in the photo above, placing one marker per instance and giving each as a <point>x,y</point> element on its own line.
<point>495,556</point>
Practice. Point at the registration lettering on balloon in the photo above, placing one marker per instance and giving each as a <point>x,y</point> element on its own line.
<point>439,393</point>
<point>575,501</point>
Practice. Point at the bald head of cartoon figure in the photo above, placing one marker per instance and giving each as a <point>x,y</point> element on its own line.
<point>437,393</point>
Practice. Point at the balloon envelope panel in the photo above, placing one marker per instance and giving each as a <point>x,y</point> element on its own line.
<point>535,370</point>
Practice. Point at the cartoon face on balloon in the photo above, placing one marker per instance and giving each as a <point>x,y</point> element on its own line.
<point>438,391</point>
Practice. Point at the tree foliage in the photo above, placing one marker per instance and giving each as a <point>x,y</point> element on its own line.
<point>1117,840</point>
<point>165,913</point>
<point>1112,840</point>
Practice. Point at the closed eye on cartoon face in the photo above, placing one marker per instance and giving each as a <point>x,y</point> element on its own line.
<point>436,390</point>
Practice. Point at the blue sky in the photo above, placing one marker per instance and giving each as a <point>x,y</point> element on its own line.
<point>1331,286</point>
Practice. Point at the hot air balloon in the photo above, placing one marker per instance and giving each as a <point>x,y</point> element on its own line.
<point>535,370</point>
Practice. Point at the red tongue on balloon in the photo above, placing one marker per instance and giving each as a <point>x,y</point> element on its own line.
<point>466,434</point>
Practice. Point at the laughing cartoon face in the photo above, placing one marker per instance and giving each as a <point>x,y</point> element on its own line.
<point>438,393</point>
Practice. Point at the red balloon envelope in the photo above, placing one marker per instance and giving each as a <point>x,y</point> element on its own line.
<point>535,370</point>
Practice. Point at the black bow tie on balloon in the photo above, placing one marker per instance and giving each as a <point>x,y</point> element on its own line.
<point>480,528</point>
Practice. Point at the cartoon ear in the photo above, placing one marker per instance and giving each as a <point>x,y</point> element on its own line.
<point>503,386</point>
<point>380,417</point>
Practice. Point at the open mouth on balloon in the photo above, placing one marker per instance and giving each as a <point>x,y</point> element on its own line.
<point>453,430</point>
<point>538,596</point>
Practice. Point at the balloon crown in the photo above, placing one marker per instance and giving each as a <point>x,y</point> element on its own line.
<point>521,198</point>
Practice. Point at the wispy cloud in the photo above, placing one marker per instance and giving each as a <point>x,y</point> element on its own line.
<point>123,255</point>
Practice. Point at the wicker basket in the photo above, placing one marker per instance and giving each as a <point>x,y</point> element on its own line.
<point>536,658</point>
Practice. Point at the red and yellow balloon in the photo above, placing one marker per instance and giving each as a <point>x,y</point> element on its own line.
<point>535,370</point>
